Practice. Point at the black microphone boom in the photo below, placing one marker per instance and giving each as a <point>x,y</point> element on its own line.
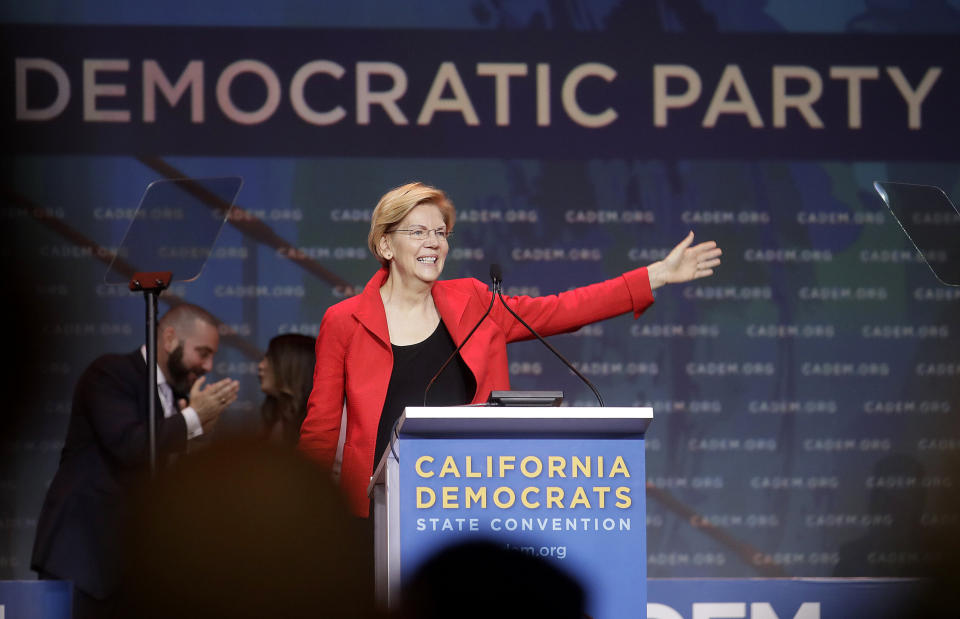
<point>497,276</point>
<point>455,352</point>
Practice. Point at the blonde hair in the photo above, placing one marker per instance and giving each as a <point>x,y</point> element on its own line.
<point>397,203</point>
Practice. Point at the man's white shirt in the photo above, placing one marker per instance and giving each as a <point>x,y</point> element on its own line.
<point>194,427</point>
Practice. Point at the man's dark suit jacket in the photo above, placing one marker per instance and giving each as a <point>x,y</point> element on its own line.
<point>105,453</point>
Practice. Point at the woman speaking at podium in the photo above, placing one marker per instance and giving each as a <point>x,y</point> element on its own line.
<point>377,351</point>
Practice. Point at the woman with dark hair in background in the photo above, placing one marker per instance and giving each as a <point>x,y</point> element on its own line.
<point>286,377</point>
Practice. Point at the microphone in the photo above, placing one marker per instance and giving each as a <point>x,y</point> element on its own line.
<point>497,276</point>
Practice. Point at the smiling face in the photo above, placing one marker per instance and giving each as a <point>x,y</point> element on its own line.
<point>188,353</point>
<point>412,260</point>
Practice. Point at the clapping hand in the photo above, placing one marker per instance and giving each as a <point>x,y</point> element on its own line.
<point>211,400</point>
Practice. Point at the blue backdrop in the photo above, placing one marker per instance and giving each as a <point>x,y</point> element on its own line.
<point>805,397</point>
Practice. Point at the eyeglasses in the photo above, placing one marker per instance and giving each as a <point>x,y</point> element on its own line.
<point>421,234</point>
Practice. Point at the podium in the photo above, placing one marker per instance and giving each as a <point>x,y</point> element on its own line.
<point>566,484</point>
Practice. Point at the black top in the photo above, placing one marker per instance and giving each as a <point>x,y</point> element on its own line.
<point>413,367</point>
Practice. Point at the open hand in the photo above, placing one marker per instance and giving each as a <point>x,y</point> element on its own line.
<point>685,263</point>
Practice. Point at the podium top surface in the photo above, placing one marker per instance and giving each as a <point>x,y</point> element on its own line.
<point>509,420</point>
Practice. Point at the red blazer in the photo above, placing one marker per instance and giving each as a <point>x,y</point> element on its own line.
<point>355,359</point>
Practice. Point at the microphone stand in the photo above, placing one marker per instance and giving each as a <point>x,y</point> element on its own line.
<point>151,284</point>
<point>454,354</point>
<point>497,289</point>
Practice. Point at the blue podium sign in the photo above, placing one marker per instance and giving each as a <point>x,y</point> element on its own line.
<point>567,485</point>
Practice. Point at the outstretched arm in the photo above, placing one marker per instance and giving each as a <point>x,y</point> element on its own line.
<point>685,263</point>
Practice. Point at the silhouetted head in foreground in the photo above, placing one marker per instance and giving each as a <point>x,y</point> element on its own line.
<point>245,529</point>
<point>486,579</point>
